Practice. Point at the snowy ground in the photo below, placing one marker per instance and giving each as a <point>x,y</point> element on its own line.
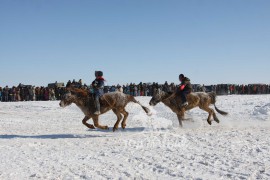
<point>40,140</point>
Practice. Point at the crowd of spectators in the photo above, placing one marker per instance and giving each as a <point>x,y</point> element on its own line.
<point>55,91</point>
<point>225,89</point>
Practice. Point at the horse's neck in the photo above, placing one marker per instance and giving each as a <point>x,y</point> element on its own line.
<point>83,103</point>
<point>171,103</point>
<point>166,102</point>
<point>79,104</point>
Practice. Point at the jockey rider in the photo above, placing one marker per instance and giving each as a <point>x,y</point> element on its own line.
<point>185,89</point>
<point>98,86</point>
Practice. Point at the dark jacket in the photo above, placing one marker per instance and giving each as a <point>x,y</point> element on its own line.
<point>98,86</point>
<point>186,82</point>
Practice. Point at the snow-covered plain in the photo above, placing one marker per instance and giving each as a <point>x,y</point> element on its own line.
<point>40,140</point>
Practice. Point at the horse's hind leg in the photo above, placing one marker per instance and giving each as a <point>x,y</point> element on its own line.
<point>84,121</point>
<point>210,112</point>
<point>125,113</point>
<point>119,117</point>
<point>215,117</point>
<point>95,119</point>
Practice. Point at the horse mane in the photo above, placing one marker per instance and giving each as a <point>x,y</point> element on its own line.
<point>82,93</point>
<point>169,95</point>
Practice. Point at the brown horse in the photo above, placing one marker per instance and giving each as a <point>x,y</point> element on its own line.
<point>195,99</point>
<point>115,101</point>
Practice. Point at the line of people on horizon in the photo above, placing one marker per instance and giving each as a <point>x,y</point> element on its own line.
<point>32,93</point>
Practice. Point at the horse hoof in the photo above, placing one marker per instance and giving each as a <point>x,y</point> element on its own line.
<point>209,122</point>
<point>90,126</point>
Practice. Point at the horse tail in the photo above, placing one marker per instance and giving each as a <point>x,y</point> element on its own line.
<point>220,112</point>
<point>132,99</point>
<point>213,96</point>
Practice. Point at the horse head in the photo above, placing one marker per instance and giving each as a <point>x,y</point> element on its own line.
<point>66,99</point>
<point>158,96</point>
<point>74,95</point>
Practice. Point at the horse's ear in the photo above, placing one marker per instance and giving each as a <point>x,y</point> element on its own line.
<point>69,90</point>
<point>155,91</point>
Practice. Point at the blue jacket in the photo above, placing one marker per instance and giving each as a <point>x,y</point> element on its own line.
<point>98,86</point>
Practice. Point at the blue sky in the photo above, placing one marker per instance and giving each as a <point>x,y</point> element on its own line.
<point>210,41</point>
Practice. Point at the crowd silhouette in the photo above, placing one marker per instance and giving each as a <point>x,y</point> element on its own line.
<point>55,90</point>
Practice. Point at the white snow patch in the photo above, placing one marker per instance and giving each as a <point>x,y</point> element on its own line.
<point>262,110</point>
<point>40,140</point>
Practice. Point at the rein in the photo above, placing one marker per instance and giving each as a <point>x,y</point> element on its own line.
<point>107,101</point>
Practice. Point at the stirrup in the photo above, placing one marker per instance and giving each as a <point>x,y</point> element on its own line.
<point>97,113</point>
<point>184,104</point>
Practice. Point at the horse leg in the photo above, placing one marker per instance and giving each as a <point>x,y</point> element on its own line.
<point>125,113</point>
<point>180,119</point>
<point>84,121</point>
<point>210,112</point>
<point>119,117</point>
<point>215,117</point>
<point>95,119</point>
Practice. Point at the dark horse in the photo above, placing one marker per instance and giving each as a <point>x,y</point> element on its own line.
<point>195,99</point>
<point>115,101</point>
